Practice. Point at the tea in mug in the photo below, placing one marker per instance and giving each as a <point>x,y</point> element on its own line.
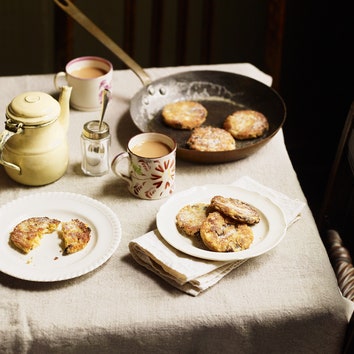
<point>151,149</point>
<point>88,72</point>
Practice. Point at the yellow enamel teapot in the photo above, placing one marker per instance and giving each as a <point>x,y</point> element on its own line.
<point>34,147</point>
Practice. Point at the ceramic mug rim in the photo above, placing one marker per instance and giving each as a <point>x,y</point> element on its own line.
<point>153,137</point>
<point>73,64</point>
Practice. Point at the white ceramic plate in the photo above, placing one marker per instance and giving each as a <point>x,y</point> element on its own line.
<point>267,233</point>
<point>47,262</point>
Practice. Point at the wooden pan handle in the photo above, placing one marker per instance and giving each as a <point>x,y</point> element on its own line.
<point>68,7</point>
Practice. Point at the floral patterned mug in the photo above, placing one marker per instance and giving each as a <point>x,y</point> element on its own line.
<point>151,165</point>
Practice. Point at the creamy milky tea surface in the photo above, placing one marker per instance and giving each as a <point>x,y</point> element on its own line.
<point>88,72</point>
<point>151,149</point>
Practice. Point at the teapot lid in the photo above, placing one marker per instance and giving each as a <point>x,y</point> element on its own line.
<point>33,108</point>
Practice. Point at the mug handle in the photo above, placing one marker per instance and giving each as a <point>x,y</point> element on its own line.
<point>60,76</point>
<point>114,165</point>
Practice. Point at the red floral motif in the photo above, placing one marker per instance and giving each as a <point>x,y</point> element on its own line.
<point>167,167</point>
<point>138,187</point>
<point>157,184</point>
<point>144,165</point>
<point>149,193</point>
<point>160,180</point>
<point>167,186</point>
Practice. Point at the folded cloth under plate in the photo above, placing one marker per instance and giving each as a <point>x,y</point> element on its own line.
<point>194,275</point>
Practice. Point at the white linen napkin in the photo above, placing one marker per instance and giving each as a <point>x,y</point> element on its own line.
<point>194,275</point>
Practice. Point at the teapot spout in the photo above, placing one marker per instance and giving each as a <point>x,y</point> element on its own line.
<point>64,102</point>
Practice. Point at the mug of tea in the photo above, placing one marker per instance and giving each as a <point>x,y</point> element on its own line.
<point>151,161</point>
<point>88,76</point>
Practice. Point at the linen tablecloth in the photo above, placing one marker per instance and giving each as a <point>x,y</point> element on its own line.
<point>285,301</point>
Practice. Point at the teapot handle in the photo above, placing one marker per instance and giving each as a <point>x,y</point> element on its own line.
<point>60,76</point>
<point>4,137</point>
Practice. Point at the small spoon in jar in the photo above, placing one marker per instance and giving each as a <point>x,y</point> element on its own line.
<point>106,95</point>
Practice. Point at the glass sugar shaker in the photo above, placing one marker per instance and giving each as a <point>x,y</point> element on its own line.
<point>95,146</point>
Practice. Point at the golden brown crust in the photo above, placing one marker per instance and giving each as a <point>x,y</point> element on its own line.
<point>209,138</point>
<point>246,124</point>
<point>75,234</point>
<point>236,209</point>
<point>184,114</point>
<point>190,218</point>
<point>218,234</point>
<point>27,234</point>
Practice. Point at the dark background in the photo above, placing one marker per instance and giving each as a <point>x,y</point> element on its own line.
<point>316,76</point>
<point>317,84</point>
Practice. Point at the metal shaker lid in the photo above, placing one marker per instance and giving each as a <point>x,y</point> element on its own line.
<point>92,130</point>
